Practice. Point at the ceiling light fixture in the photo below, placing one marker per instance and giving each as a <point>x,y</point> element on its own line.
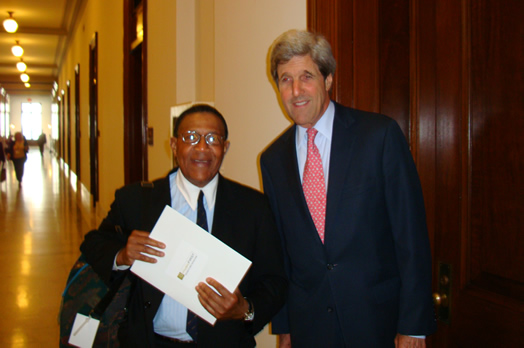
<point>24,77</point>
<point>21,66</point>
<point>17,50</point>
<point>10,25</point>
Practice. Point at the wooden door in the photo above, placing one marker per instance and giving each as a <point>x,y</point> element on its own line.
<point>135,91</point>
<point>480,163</point>
<point>452,74</point>
<point>77,123</point>
<point>93,117</point>
<point>68,137</point>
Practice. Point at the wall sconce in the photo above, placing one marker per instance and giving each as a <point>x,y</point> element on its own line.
<point>10,25</point>
<point>17,50</point>
<point>21,66</point>
<point>24,77</point>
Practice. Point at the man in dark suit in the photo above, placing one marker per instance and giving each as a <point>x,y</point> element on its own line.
<point>237,215</point>
<point>349,208</point>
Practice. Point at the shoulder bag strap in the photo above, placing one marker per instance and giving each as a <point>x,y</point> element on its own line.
<point>100,308</point>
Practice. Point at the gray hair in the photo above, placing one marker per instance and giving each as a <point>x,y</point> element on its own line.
<point>301,43</point>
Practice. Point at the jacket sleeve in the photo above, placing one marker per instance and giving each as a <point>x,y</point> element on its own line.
<point>406,212</point>
<point>101,245</point>
<point>280,322</point>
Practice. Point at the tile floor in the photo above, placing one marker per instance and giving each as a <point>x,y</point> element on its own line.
<point>41,228</point>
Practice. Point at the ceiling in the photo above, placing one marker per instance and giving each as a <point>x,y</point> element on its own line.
<point>44,31</point>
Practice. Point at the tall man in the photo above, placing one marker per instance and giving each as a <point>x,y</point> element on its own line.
<point>347,200</point>
<point>237,215</point>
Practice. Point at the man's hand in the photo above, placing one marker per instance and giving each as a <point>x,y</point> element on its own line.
<point>284,341</point>
<point>138,243</point>
<point>224,306</point>
<point>402,341</point>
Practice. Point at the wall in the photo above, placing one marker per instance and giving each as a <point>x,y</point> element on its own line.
<point>244,31</point>
<point>94,18</point>
<point>162,81</point>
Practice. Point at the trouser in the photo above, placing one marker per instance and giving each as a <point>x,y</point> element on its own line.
<point>19,168</point>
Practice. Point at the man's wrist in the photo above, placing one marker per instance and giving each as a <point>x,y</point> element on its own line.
<point>250,314</point>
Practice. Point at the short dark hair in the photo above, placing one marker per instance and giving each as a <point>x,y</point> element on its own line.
<point>200,108</point>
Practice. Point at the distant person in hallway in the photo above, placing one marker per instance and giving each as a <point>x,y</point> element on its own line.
<point>17,152</point>
<point>348,203</point>
<point>2,149</point>
<point>2,159</point>
<point>42,140</point>
<point>236,214</point>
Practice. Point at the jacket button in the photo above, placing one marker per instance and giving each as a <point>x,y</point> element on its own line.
<point>329,309</point>
<point>147,304</point>
<point>330,267</point>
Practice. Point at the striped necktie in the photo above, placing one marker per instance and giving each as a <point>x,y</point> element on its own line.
<point>192,319</point>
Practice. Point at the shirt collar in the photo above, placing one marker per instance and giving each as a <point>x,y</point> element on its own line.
<point>191,192</point>
<point>324,126</point>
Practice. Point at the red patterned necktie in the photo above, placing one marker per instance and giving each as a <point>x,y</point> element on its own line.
<point>314,185</point>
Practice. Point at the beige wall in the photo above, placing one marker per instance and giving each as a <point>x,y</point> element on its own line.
<point>244,31</point>
<point>162,81</point>
<point>106,19</point>
<point>225,64</point>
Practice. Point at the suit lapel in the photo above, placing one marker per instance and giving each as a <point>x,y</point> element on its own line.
<point>341,154</point>
<point>222,212</point>
<point>160,196</point>
<point>290,169</point>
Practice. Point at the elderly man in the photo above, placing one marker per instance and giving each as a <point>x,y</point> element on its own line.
<point>348,204</point>
<point>235,214</point>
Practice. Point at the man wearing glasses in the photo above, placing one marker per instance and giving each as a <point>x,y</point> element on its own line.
<point>235,214</point>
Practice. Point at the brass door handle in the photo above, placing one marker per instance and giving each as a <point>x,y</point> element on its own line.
<point>440,300</point>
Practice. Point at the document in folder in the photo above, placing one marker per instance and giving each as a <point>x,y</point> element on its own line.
<point>191,255</point>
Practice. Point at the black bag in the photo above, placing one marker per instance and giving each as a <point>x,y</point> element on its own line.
<point>87,294</point>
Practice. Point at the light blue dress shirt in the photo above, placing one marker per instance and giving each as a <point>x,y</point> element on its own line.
<point>324,126</point>
<point>170,319</point>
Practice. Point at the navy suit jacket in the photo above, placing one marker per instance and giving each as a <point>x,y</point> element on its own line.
<point>242,220</point>
<point>371,279</point>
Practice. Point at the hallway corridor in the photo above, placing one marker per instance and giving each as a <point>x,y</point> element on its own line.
<point>41,228</point>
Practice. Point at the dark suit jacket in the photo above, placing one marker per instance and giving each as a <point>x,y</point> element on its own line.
<point>242,220</point>
<point>372,277</point>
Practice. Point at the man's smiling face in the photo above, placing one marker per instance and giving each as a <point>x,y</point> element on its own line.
<point>199,162</point>
<point>303,90</point>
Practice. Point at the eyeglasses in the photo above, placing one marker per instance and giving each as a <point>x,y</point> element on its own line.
<point>193,138</point>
